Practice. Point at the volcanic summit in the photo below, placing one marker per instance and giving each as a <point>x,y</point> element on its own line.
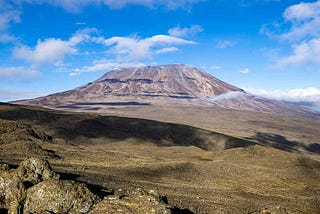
<point>167,85</point>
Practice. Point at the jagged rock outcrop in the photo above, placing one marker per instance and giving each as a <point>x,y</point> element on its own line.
<point>14,183</point>
<point>12,194</point>
<point>35,170</point>
<point>34,188</point>
<point>54,196</point>
<point>136,201</point>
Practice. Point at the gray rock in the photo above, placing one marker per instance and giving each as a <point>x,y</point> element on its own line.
<point>12,193</point>
<point>35,170</point>
<point>13,184</point>
<point>54,196</point>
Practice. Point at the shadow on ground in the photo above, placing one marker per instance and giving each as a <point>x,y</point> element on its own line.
<point>282,143</point>
<point>93,105</point>
<point>72,127</point>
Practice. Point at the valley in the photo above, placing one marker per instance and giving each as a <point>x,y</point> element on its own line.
<point>196,169</point>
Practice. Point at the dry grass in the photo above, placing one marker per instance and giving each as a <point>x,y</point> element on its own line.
<point>159,156</point>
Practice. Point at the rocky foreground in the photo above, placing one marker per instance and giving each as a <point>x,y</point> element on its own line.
<point>117,165</point>
<point>34,187</point>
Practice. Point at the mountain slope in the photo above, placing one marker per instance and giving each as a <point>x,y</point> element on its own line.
<point>168,85</point>
<point>197,169</point>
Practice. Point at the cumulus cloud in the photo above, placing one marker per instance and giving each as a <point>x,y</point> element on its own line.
<point>301,28</point>
<point>309,97</point>
<point>301,21</point>
<point>308,51</point>
<point>304,19</point>
<point>17,74</point>
<point>183,32</point>
<point>52,50</point>
<point>225,44</point>
<point>83,35</point>
<point>133,49</point>
<point>245,71</point>
<point>48,51</point>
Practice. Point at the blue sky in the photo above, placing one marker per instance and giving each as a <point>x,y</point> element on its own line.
<point>268,47</point>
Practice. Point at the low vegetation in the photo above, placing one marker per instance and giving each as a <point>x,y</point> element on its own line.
<point>198,171</point>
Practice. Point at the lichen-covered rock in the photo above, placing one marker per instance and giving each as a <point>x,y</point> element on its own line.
<point>12,193</point>
<point>4,168</point>
<point>54,196</point>
<point>137,201</point>
<point>13,183</point>
<point>35,170</point>
<point>272,210</point>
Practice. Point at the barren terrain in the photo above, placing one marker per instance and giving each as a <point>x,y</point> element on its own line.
<point>225,167</point>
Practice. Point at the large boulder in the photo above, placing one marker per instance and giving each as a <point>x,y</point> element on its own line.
<point>13,184</point>
<point>12,194</point>
<point>35,170</point>
<point>137,201</point>
<point>54,196</point>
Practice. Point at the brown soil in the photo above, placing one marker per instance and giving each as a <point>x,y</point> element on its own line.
<point>197,169</point>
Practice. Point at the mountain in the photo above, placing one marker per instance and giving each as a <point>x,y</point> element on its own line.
<point>167,85</point>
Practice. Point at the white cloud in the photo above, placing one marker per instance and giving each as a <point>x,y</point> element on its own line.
<point>113,65</point>
<point>216,67</point>
<point>309,97</point>
<point>301,21</point>
<point>17,74</point>
<point>10,95</point>
<point>245,71</point>
<point>166,50</point>
<point>133,49</point>
<point>303,33</point>
<point>308,51</point>
<point>8,15</point>
<point>75,72</point>
<point>183,32</point>
<point>53,50</point>
<point>48,51</point>
<point>81,23</point>
<point>83,35</point>
<point>310,94</point>
<point>227,96</point>
<point>5,37</point>
<point>77,5</point>
<point>225,44</point>
<point>104,66</point>
<point>302,11</point>
<point>304,19</point>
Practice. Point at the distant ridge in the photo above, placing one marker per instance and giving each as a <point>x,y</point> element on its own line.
<point>169,85</point>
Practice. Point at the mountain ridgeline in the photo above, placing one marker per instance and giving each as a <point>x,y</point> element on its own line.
<point>167,85</point>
